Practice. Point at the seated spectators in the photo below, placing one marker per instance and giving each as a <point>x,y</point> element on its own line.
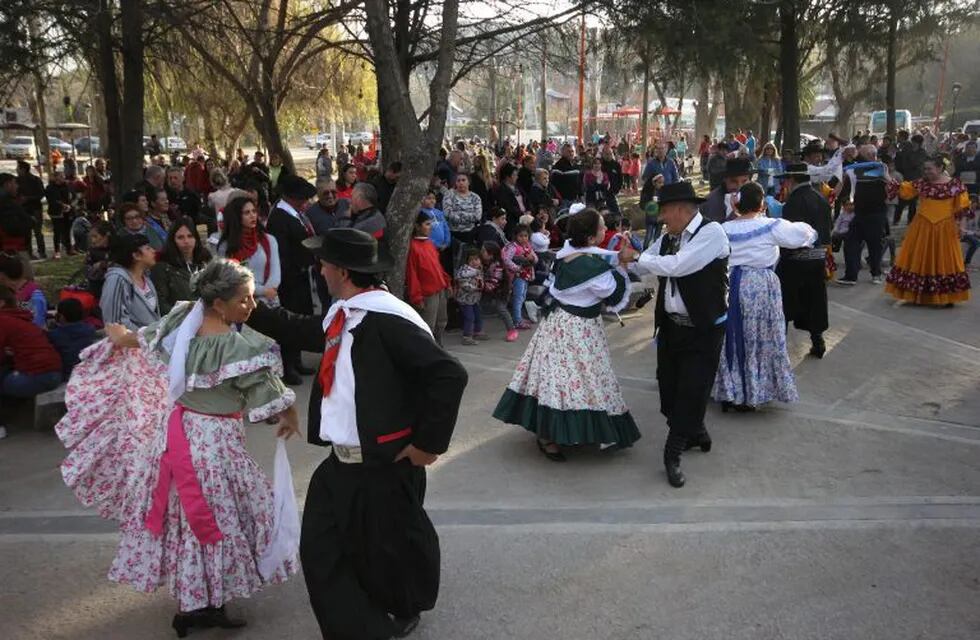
<point>33,366</point>
<point>71,334</point>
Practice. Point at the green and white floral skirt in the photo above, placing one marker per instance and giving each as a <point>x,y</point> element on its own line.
<point>565,390</point>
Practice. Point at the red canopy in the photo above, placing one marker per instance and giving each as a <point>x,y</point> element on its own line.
<point>626,111</point>
<point>667,111</point>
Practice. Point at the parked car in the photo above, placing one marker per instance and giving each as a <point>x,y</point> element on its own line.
<point>312,142</point>
<point>971,126</point>
<point>60,145</point>
<point>18,148</point>
<point>361,137</point>
<point>87,144</point>
<point>174,143</point>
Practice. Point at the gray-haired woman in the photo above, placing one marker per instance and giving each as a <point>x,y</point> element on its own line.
<point>156,432</point>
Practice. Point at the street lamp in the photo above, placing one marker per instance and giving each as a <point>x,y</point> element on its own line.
<point>956,94</point>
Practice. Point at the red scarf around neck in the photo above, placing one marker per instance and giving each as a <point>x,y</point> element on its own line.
<point>251,239</point>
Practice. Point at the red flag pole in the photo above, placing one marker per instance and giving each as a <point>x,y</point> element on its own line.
<point>581,84</point>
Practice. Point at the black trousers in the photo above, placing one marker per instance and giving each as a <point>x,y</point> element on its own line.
<point>369,550</point>
<point>687,361</point>
<point>866,228</point>
<point>62,233</point>
<point>38,231</point>
<point>804,289</point>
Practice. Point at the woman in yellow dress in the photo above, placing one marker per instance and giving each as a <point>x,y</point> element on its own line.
<point>929,268</point>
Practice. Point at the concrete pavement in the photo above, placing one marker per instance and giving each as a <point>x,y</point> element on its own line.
<point>853,514</point>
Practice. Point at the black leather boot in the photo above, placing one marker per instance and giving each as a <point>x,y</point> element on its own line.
<point>218,617</point>
<point>674,474</point>
<point>818,346</point>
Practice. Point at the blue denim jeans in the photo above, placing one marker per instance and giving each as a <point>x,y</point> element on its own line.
<point>517,300</point>
<point>973,243</point>
<point>28,385</point>
<point>472,321</point>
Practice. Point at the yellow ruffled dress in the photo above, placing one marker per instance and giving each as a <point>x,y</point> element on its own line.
<point>929,268</point>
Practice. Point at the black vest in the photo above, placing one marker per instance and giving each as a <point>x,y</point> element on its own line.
<point>705,292</point>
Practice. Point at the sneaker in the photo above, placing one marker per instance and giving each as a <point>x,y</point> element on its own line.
<point>57,255</point>
<point>876,280</point>
<point>468,341</point>
<point>511,335</point>
<point>481,336</point>
<point>845,282</point>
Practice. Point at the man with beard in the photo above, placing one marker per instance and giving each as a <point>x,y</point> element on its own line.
<point>183,201</point>
<point>802,272</point>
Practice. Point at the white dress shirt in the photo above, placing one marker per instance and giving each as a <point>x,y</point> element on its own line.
<point>338,411</point>
<point>694,254</point>
<point>755,242</point>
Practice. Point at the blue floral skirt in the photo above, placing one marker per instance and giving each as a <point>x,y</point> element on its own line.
<point>757,370</point>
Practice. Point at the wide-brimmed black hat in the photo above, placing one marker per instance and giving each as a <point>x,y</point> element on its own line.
<point>350,249</point>
<point>813,146</point>
<point>737,167</point>
<point>295,187</point>
<point>678,192</point>
<point>795,170</point>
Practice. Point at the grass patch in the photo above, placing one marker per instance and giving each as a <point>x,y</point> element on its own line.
<point>53,275</point>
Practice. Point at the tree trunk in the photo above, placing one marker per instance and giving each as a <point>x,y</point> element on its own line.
<point>130,171</point>
<point>266,123</point>
<point>765,121</point>
<point>105,70</point>
<point>701,109</point>
<point>492,81</point>
<point>715,106</point>
<point>416,149</point>
<point>891,63</point>
<point>789,57</point>
<point>38,108</point>
<point>645,113</point>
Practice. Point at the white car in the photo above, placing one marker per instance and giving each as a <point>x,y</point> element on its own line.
<point>18,148</point>
<point>971,126</point>
<point>317,142</point>
<point>59,144</point>
<point>361,137</point>
<point>173,143</point>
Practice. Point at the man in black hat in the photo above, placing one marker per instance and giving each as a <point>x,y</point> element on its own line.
<point>386,401</point>
<point>737,172</point>
<point>802,272</point>
<point>691,260</point>
<point>290,226</point>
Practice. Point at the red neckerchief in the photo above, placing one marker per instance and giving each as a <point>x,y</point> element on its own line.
<point>250,242</point>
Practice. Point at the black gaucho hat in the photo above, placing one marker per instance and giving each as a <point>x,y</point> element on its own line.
<point>737,167</point>
<point>350,249</point>
<point>295,187</point>
<point>678,192</point>
<point>796,170</point>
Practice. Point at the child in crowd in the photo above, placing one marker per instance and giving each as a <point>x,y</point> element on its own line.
<point>469,287</point>
<point>495,286</point>
<point>29,296</point>
<point>440,235</point>
<point>426,283</point>
<point>71,334</point>
<point>634,171</point>
<point>519,260</point>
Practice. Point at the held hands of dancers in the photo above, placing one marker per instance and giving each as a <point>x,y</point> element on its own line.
<point>120,336</point>
<point>288,424</point>
<point>627,254</point>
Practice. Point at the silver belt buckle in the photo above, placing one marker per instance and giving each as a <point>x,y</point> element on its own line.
<point>348,455</point>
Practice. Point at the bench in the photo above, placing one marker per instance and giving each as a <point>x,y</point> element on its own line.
<point>49,408</point>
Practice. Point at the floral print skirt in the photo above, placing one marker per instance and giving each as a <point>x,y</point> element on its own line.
<point>564,388</point>
<point>240,497</point>
<point>116,431</point>
<point>766,373</point>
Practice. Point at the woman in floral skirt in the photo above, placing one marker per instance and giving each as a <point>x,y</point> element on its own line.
<point>754,367</point>
<point>156,437</point>
<point>929,268</point>
<point>564,389</point>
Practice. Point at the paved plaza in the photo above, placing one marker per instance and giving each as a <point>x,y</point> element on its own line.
<point>852,515</point>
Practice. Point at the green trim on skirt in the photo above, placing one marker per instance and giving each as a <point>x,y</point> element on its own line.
<point>566,426</point>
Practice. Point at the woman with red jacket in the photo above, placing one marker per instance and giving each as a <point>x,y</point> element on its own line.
<point>426,282</point>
